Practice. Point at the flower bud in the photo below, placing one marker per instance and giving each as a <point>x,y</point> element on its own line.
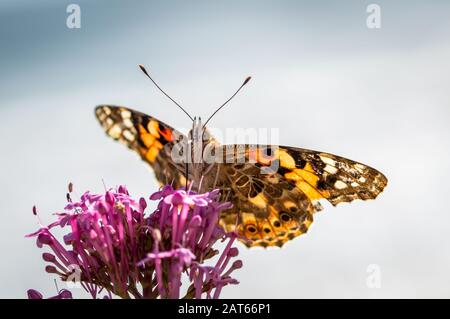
<point>51,269</point>
<point>123,189</point>
<point>237,264</point>
<point>110,198</point>
<point>48,257</point>
<point>65,294</point>
<point>44,239</point>
<point>34,294</point>
<point>233,252</point>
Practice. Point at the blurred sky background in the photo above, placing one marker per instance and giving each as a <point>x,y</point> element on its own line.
<point>329,83</point>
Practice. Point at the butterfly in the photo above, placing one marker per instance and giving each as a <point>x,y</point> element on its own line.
<point>275,190</point>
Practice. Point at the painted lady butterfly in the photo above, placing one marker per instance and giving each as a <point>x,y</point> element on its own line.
<point>274,190</point>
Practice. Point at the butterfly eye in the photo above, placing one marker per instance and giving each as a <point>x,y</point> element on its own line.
<point>285,217</point>
<point>251,229</point>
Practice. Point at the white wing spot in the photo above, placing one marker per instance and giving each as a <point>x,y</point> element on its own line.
<point>340,185</point>
<point>101,116</point>
<point>125,114</point>
<point>327,160</point>
<point>127,122</point>
<point>115,131</point>
<point>128,135</point>
<point>330,169</point>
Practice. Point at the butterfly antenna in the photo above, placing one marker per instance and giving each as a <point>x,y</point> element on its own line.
<point>237,91</point>
<point>167,95</point>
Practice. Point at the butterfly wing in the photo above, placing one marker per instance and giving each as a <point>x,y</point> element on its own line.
<point>152,139</point>
<point>324,175</point>
<point>275,190</point>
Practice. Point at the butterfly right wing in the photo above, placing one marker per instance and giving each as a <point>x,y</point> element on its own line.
<point>152,139</point>
<point>276,190</point>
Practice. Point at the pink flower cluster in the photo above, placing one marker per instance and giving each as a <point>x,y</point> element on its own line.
<point>115,248</point>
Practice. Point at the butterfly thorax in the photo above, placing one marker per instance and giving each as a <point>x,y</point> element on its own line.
<point>200,144</point>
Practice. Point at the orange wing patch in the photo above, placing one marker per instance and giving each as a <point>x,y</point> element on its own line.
<point>150,139</point>
<point>273,231</point>
<point>307,182</point>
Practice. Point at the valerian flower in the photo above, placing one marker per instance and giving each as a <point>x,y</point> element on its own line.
<point>114,248</point>
<point>62,294</point>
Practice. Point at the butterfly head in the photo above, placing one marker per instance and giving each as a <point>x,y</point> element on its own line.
<point>195,134</point>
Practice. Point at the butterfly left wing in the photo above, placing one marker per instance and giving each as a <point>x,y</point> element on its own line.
<point>275,190</point>
<point>152,139</point>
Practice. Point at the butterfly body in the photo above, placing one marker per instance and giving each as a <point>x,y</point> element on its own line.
<point>275,190</point>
